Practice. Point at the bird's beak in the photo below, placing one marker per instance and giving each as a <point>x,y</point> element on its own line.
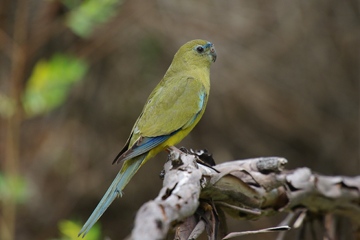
<point>212,51</point>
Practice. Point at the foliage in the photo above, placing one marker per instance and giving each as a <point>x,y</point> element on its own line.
<point>89,14</point>
<point>50,83</point>
<point>69,231</point>
<point>13,188</point>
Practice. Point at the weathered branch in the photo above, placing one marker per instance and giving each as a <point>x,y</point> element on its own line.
<point>178,199</point>
<point>195,195</point>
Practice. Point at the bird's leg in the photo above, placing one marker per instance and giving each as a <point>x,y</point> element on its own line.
<point>173,149</point>
<point>200,161</point>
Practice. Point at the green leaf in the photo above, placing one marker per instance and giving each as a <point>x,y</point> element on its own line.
<point>69,231</point>
<point>85,17</point>
<point>13,188</point>
<point>50,83</point>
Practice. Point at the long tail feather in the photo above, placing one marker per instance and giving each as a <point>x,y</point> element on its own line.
<point>128,170</point>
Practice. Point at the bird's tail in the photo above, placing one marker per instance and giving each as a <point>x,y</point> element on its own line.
<point>128,170</point>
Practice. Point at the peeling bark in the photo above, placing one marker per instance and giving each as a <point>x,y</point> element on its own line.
<point>194,193</point>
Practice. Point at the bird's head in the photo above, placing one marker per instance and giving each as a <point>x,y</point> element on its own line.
<point>196,53</point>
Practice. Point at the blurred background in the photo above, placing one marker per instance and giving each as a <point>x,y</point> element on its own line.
<point>74,76</point>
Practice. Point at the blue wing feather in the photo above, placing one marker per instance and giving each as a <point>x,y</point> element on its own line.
<point>201,107</point>
<point>143,145</point>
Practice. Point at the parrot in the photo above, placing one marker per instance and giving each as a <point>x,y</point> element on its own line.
<point>171,111</point>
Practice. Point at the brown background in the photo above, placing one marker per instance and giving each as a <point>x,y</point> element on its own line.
<point>285,83</point>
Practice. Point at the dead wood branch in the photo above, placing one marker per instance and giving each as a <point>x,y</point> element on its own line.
<point>194,196</point>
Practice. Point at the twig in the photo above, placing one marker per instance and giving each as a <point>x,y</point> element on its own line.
<point>266,230</point>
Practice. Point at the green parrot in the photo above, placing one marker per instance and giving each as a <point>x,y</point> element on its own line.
<point>172,110</point>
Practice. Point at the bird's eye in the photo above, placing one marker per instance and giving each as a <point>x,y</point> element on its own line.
<point>199,49</point>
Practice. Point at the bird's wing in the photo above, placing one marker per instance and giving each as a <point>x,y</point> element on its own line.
<point>171,107</point>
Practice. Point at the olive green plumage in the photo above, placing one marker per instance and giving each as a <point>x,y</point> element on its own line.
<point>172,110</point>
